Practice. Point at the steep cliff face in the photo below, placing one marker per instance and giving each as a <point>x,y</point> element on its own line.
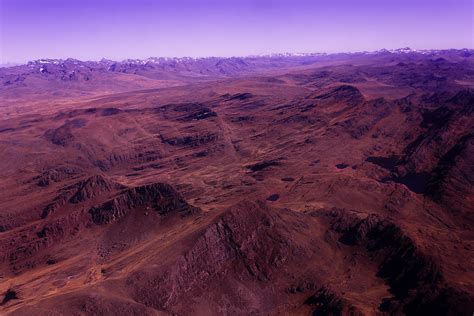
<point>80,192</point>
<point>74,215</point>
<point>416,282</point>
<point>248,243</point>
<point>92,187</point>
<point>159,197</point>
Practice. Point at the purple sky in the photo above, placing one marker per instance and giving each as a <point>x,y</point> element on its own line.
<point>118,29</point>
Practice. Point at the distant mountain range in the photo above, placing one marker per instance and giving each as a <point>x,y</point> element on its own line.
<point>179,68</point>
<point>317,184</point>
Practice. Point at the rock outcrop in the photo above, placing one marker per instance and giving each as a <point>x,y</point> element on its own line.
<point>248,242</point>
<point>416,282</point>
<point>159,197</point>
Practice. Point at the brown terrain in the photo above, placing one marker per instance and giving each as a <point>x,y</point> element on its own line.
<point>320,184</point>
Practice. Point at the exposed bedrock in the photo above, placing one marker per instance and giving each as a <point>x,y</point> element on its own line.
<point>416,282</point>
<point>160,197</point>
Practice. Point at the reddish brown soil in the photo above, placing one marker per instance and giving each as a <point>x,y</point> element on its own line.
<point>340,186</point>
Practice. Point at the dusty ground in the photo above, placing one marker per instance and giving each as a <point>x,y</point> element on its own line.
<point>339,187</point>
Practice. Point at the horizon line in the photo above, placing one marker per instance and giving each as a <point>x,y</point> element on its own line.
<point>274,54</point>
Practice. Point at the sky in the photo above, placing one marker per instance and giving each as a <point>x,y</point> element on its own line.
<point>120,29</point>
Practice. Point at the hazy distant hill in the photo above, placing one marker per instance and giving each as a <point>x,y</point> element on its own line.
<point>288,184</point>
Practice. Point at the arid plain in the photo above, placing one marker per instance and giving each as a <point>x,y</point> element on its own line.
<point>316,184</point>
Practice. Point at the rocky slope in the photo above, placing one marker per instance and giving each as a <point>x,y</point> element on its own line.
<point>326,185</point>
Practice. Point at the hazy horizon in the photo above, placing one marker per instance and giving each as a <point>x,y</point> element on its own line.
<point>7,64</point>
<point>118,30</point>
